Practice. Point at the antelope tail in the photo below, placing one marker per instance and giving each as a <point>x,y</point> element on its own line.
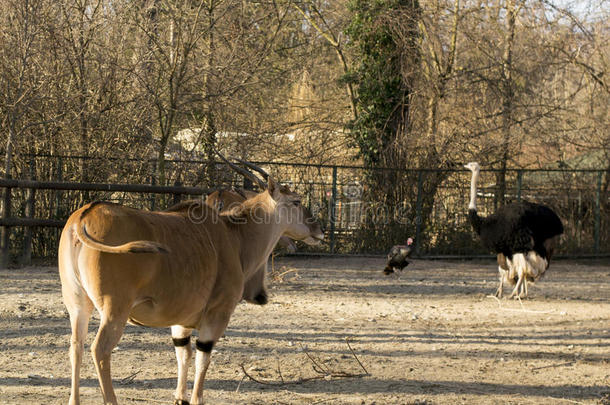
<point>137,246</point>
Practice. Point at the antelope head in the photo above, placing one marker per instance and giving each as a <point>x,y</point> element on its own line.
<point>282,205</point>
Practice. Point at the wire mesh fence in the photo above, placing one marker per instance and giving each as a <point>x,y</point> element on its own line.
<point>363,211</point>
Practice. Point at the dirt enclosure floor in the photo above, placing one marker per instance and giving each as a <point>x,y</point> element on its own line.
<point>336,331</point>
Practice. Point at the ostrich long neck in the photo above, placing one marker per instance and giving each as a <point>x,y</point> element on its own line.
<point>473,190</point>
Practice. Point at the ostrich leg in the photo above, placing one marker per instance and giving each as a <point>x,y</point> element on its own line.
<point>500,289</point>
<point>524,289</point>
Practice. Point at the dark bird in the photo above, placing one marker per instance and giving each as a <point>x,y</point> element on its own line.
<point>397,257</point>
<point>522,235</point>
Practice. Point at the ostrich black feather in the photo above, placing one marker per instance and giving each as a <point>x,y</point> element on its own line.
<point>517,228</point>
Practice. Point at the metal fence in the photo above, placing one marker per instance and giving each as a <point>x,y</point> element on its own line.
<point>358,222</point>
<point>356,219</point>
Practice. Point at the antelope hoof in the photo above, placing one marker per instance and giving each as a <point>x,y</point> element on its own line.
<point>181,402</point>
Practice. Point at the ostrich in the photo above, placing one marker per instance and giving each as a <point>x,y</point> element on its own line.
<point>522,234</point>
<point>397,258</point>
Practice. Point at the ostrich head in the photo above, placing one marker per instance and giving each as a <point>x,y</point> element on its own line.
<point>473,167</point>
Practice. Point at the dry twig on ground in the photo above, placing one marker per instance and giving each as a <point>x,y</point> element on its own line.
<point>129,379</point>
<point>568,363</point>
<point>323,372</point>
<point>278,276</point>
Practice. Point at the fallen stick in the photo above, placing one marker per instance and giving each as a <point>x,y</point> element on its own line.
<point>240,381</point>
<point>279,370</point>
<point>324,373</point>
<point>129,379</point>
<point>323,400</point>
<point>356,357</point>
<point>147,400</point>
<point>278,383</point>
<point>243,369</point>
<point>569,363</point>
<point>567,400</point>
<point>340,374</point>
<point>280,277</point>
<point>317,367</point>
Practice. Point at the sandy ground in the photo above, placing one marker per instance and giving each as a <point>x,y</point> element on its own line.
<point>432,336</point>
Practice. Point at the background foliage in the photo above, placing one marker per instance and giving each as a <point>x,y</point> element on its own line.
<point>385,83</point>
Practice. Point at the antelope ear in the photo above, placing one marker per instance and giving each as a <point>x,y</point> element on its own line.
<point>272,186</point>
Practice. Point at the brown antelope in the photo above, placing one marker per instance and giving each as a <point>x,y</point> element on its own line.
<point>254,288</point>
<point>181,268</point>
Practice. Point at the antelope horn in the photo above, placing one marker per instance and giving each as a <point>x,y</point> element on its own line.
<point>242,171</point>
<point>255,167</point>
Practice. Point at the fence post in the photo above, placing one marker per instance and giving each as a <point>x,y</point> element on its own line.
<point>6,230</point>
<point>58,193</point>
<point>418,209</point>
<point>26,257</point>
<point>598,195</point>
<point>519,184</point>
<point>177,197</point>
<point>333,202</point>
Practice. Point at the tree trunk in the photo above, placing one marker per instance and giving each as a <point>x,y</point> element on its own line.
<point>8,156</point>
<point>507,101</point>
<point>208,125</point>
